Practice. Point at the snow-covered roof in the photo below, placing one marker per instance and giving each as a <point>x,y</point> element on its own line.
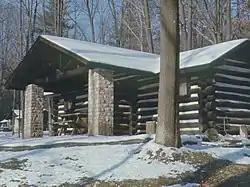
<point>206,55</point>
<point>105,54</point>
<point>138,60</point>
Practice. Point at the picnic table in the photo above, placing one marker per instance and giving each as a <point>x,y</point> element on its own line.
<point>75,121</point>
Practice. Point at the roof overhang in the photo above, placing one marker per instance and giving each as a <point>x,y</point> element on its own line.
<point>54,62</point>
<point>44,58</point>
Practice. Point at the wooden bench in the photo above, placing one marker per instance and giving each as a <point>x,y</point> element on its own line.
<point>77,121</point>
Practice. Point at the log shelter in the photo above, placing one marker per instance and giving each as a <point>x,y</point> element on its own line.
<point>104,90</point>
<point>91,92</point>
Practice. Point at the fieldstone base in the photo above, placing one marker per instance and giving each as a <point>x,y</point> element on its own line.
<point>100,102</point>
<point>33,112</point>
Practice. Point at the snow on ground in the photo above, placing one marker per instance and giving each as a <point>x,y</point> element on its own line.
<point>106,162</point>
<point>235,155</point>
<point>7,140</point>
<point>185,185</point>
<point>48,167</point>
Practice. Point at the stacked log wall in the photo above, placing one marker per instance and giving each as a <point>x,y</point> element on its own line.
<point>124,105</point>
<point>230,101</point>
<point>190,106</point>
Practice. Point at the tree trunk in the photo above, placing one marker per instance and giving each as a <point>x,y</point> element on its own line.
<point>217,25</point>
<point>121,26</point>
<point>166,133</point>
<point>148,27</point>
<point>21,107</point>
<point>91,21</point>
<point>229,21</point>
<point>34,23</point>
<point>184,35</point>
<point>44,17</point>
<point>116,28</point>
<point>190,23</point>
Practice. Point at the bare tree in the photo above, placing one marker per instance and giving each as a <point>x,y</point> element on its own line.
<point>183,25</point>
<point>90,8</point>
<point>21,93</point>
<point>229,21</point>
<point>148,26</point>
<point>190,25</point>
<point>44,16</point>
<point>167,127</point>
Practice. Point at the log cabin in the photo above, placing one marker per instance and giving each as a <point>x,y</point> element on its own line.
<point>215,95</point>
<point>114,91</point>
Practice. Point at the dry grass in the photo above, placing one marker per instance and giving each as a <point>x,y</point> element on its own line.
<point>13,164</point>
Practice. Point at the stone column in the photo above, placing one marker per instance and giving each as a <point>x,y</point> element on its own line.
<point>33,111</point>
<point>100,102</point>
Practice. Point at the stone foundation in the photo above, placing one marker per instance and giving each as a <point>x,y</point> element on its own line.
<point>100,102</point>
<point>33,112</point>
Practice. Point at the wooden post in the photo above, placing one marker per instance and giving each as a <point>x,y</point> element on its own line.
<point>150,127</point>
<point>243,131</point>
<point>50,117</point>
<point>13,113</point>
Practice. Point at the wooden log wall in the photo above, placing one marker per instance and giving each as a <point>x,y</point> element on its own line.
<point>190,106</point>
<point>124,104</point>
<point>229,101</point>
<point>79,98</point>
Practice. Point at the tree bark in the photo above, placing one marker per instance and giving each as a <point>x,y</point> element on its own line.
<point>44,17</point>
<point>184,34</point>
<point>148,27</point>
<point>34,23</point>
<point>112,7</point>
<point>121,22</point>
<point>167,129</point>
<point>190,23</point>
<point>91,16</point>
<point>21,98</point>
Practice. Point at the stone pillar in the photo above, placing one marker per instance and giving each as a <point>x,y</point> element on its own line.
<point>33,111</point>
<point>100,102</point>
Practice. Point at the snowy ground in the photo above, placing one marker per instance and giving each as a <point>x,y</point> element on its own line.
<point>54,166</point>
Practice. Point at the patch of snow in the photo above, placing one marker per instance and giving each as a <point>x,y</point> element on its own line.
<point>191,138</point>
<point>48,167</point>
<point>185,185</point>
<point>235,155</point>
<point>8,141</point>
